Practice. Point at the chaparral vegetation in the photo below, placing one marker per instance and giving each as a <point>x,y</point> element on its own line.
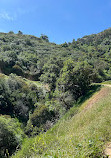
<point>55,98</point>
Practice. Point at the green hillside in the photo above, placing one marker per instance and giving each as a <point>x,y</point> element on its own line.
<point>44,89</point>
<point>83,135</point>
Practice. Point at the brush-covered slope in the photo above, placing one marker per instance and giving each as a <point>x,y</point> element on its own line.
<point>40,81</point>
<point>21,103</point>
<point>38,59</point>
<point>19,96</point>
<point>83,135</point>
<point>26,55</point>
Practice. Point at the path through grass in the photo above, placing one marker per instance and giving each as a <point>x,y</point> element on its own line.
<point>82,136</point>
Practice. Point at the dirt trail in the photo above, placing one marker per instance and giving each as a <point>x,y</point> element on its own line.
<point>107,150</point>
<point>103,92</point>
<point>108,85</point>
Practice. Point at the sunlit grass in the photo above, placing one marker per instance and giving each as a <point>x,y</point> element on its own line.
<point>107,82</point>
<point>83,135</point>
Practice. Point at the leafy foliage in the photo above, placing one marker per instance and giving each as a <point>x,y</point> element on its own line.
<point>64,73</point>
<point>11,136</point>
<point>41,120</point>
<point>17,98</point>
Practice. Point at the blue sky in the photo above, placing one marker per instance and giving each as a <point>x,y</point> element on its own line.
<point>60,20</point>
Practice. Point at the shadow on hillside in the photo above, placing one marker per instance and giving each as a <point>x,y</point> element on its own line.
<point>92,89</point>
<point>74,110</point>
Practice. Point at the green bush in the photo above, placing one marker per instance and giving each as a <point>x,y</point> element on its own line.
<point>17,98</point>
<point>17,70</point>
<point>11,135</point>
<point>40,120</point>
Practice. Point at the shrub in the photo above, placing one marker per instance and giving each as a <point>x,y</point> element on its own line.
<point>40,120</point>
<point>11,32</point>
<point>11,135</point>
<point>44,37</point>
<point>6,48</point>
<point>18,70</point>
<point>17,98</point>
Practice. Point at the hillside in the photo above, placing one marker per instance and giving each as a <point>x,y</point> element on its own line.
<point>83,135</point>
<point>42,88</point>
<point>37,58</point>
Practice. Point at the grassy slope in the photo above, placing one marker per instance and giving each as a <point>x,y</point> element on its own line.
<point>107,82</point>
<point>83,135</point>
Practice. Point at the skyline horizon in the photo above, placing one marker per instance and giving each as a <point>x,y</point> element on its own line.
<point>60,20</point>
<point>52,41</point>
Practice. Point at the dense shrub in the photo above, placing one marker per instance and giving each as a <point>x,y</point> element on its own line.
<point>17,98</point>
<point>17,70</point>
<point>74,81</point>
<point>41,120</point>
<point>11,136</point>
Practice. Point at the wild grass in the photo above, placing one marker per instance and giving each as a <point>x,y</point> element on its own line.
<point>107,82</point>
<point>84,135</point>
